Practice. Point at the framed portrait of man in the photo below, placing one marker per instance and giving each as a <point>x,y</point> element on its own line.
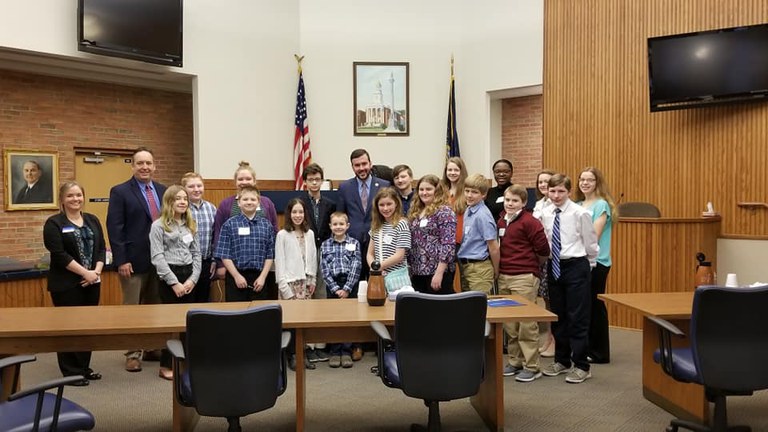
<point>31,180</point>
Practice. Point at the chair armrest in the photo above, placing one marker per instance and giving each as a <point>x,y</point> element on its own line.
<point>381,330</point>
<point>16,360</point>
<point>176,349</point>
<point>487,328</point>
<point>666,325</point>
<point>285,339</point>
<point>61,382</point>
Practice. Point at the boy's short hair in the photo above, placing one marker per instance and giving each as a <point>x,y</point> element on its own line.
<point>249,189</point>
<point>477,181</point>
<point>560,179</point>
<point>339,214</point>
<point>519,191</point>
<point>312,169</point>
<point>189,176</point>
<point>400,168</point>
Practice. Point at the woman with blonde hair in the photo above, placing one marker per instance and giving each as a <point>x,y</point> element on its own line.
<point>454,175</point>
<point>593,194</point>
<point>432,258</point>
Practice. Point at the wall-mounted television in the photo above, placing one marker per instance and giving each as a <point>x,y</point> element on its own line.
<point>710,67</point>
<point>145,30</point>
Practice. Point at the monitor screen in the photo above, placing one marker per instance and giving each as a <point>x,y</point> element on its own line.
<point>706,66</point>
<point>147,30</point>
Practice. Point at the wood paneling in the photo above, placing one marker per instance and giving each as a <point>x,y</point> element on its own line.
<point>34,292</point>
<point>657,255</point>
<point>596,111</point>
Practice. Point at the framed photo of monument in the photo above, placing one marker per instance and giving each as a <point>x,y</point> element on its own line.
<point>381,99</point>
<point>31,180</point>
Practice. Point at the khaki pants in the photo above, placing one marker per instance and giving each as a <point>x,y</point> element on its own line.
<point>477,276</point>
<point>523,337</point>
<point>140,288</point>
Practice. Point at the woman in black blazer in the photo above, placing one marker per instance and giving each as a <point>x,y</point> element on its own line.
<point>76,242</point>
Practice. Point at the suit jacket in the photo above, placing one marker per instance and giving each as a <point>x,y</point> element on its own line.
<point>63,248</point>
<point>349,203</point>
<point>128,224</point>
<point>325,207</point>
<point>41,193</point>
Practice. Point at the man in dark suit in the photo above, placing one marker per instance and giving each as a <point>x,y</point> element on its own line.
<point>34,191</point>
<point>133,206</point>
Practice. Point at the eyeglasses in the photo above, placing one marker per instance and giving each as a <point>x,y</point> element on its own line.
<point>314,180</point>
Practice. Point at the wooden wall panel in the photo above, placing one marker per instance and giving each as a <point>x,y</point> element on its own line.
<point>596,111</point>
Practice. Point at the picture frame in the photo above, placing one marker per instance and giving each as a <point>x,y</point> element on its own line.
<point>31,180</point>
<point>375,86</point>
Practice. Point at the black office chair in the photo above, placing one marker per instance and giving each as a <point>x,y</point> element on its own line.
<point>438,352</point>
<point>35,410</point>
<point>728,350</point>
<point>234,362</point>
<point>638,209</point>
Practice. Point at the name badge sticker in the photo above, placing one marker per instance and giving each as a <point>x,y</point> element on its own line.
<point>67,229</point>
<point>350,247</point>
<point>423,223</point>
<point>502,231</point>
<point>187,239</point>
<point>243,231</point>
<point>499,200</point>
<point>387,239</point>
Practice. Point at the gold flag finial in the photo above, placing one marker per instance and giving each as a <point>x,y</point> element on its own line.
<point>298,60</point>
<point>451,65</point>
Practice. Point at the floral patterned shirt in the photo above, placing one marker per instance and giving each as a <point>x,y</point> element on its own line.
<point>433,240</point>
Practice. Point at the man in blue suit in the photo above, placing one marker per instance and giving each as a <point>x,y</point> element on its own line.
<point>133,206</point>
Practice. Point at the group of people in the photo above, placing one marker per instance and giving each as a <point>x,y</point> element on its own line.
<point>168,244</point>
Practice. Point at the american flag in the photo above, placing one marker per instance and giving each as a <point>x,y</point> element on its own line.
<point>302,156</point>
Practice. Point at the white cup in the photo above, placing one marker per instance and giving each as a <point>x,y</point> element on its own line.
<point>731,280</point>
<point>362,289</point>
<point>362,298</point>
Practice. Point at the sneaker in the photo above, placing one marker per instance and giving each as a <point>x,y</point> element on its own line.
<point>292,362</point>
<point>311,355</point>
<point>321,355</point>
<point>335,361</point>
<point>510,370</point>
<point>577,376</point>
<point>555,369</point>
<point>308,365</point>
<point>346,361</point>
<point>528,375</point>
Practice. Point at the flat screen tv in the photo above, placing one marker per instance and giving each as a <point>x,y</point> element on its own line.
<point>710,67</point>
<point>145,30</point>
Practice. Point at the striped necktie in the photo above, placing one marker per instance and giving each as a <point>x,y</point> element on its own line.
<point>556,246</point>
<point>364,195</point>
<point>153,210</point>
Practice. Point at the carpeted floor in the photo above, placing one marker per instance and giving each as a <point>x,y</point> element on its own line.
<point>355,400</point>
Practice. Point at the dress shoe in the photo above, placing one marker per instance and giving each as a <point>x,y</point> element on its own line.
<point>132,364</point>
<point>357,353</point>
<point>80,383</point>
<point>93,376</point>
<point>165,373</point>
<point>153,355</point>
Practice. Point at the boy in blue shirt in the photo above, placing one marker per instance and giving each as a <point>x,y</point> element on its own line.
<point>246,247</point>
<point>478,254</point>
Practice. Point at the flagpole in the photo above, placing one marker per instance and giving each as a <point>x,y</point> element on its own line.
<point>301,153</point>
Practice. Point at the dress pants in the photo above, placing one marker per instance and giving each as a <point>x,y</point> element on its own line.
<point>569,299</point>
<point>168,296</point>
<point>76,363</point>
<point>235,294</point>
<point>599,341</point>
<point>423,283</point>
<point>202,289</point>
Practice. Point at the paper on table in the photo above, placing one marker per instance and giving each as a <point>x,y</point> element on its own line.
<point>503,302</point>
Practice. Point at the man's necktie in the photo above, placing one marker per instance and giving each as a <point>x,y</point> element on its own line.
<point>556,246</point>
<point>364,194</point>
<point>153,210</point>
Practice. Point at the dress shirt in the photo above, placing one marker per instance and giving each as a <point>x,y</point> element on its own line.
<point>340,257</point>
<point>577,234</point>
<point>479,228</point>
<point>143,188</point>
<point>177,247</point>
<point>203,213</point>
<point>247,242</point>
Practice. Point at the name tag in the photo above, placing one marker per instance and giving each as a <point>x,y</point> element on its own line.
<point>423,223</point>
<point>187,239</point>
<point>244,231</point>
<point>67,229</point>
<point>502,231</point>
<point>350,247</point>
<point>387,239</point>
<point>499,200</point>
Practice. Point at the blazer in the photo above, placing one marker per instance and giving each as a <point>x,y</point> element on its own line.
<point>41,193</point>
<point>128,224</point>
<point>325,207</point>
<point>63,249</point>
<point>349,203</point>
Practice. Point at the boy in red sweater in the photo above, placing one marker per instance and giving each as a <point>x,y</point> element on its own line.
<point>523,246</point>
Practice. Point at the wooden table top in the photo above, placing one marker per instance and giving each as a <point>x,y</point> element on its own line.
<point>139,319</point>
<point>671,305</point>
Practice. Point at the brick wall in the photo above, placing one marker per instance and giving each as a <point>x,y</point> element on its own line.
<point>60,115</point>
<point>521,137</point>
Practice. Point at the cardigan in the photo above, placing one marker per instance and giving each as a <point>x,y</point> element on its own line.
<point>63,248</point>
<point>289,266</point>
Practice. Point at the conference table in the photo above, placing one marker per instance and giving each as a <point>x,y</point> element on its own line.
<point>684,400</point>
<point>50,329</point>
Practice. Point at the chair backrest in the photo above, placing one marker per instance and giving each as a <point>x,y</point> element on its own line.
<point>440,344</point>
<point>729,337</point>
<point>638,209</point>
<point>233,358</point>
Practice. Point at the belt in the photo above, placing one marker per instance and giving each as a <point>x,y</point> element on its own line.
<point>470,260</point>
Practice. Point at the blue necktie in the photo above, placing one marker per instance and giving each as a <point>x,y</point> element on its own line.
<point>556,245</point>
